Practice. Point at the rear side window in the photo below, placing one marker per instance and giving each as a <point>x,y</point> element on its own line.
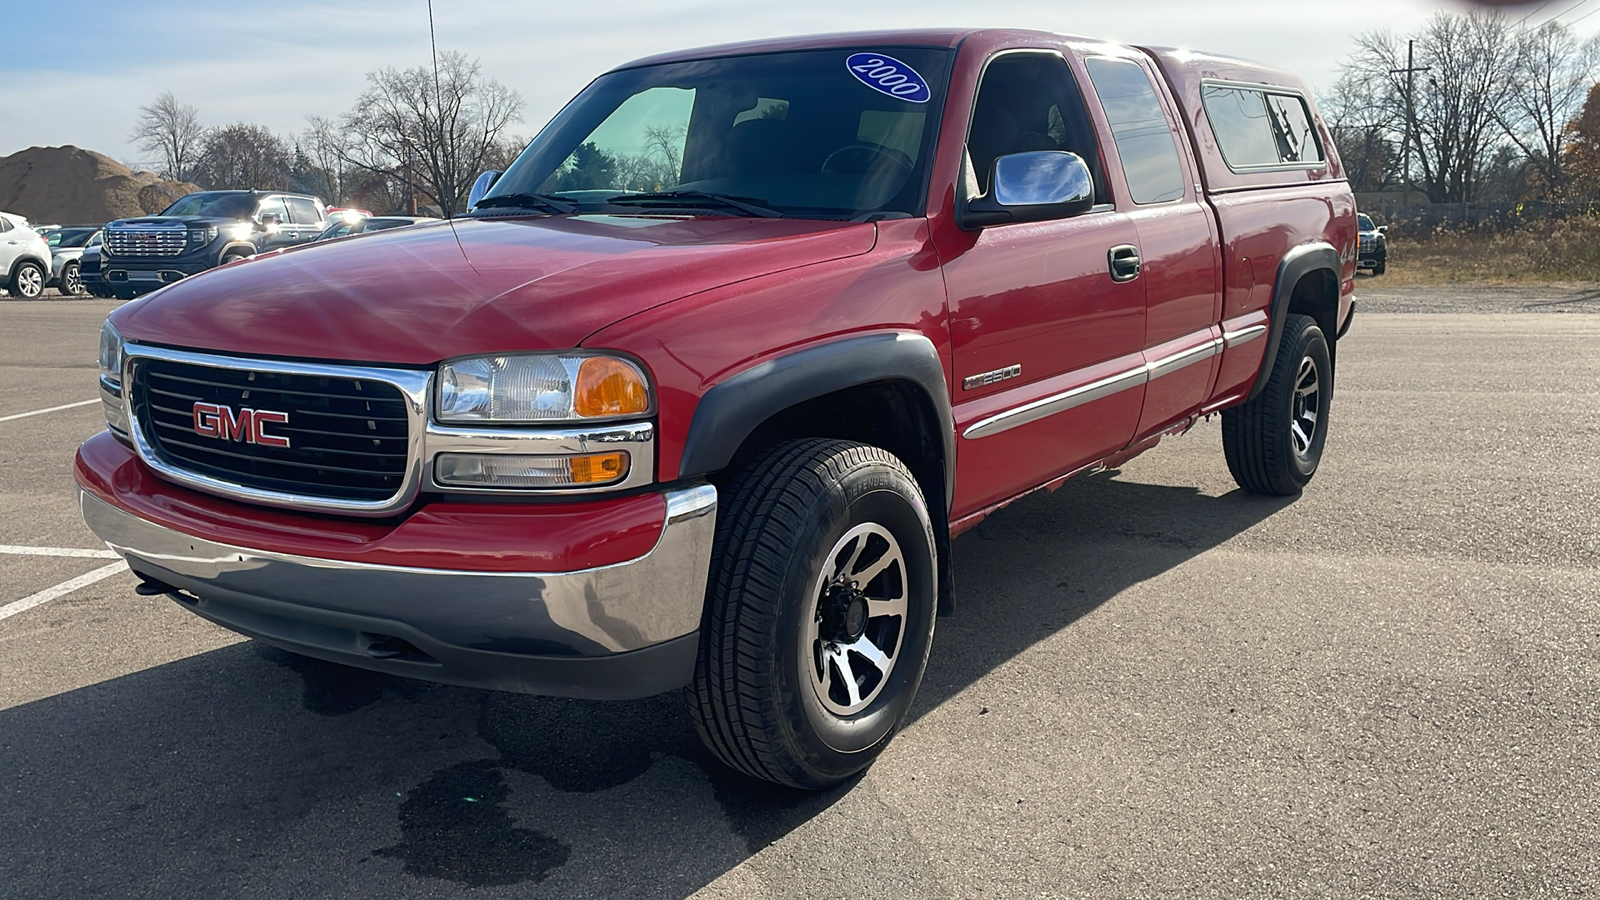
<point>1258,128</point>
<point>302,211</point>
<point>1139,128</point>
<point>5,224</point>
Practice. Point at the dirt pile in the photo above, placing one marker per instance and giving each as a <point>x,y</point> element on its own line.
<point>69,184</point>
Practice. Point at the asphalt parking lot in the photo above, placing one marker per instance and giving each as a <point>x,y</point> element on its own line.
<point>1154,686</point>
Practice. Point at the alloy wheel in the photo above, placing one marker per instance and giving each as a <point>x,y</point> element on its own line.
<point>856,630</point>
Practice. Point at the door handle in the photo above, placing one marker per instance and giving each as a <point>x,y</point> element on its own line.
<point>1124,260</point>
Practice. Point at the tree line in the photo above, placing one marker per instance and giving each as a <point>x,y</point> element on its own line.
<point>1475,107</point>
<point>415,138</point>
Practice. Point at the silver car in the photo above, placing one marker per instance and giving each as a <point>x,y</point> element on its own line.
<point>24,258</point>
<point>67,243</point>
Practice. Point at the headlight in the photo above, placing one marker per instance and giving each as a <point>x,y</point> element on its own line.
<point>540,388</point>
<point>110,354</point>
<point>203,235</point>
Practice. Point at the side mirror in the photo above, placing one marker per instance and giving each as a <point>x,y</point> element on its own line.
<point>1035,186</point>
<point>481,187</point>
<point>271,220</point>
<point>1383,229</point>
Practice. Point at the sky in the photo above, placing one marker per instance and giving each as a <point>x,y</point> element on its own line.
<point>87,67</point>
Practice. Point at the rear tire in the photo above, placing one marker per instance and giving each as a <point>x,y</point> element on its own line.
<point>71,284</point>
<point>1274,442</point>
<point>819,614</point>
<point>27,280</point>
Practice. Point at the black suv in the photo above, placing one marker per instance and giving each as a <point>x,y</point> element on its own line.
<point>201,231</point>
<point>1373,246</point>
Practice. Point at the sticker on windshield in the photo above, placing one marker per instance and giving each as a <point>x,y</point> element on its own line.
<point>888,75</point>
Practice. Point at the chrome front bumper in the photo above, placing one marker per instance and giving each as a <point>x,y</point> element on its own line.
<point>625,630</point>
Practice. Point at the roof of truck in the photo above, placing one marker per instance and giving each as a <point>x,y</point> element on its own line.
<point>931,37</point>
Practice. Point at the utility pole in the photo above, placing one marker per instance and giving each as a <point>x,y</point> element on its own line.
<point>1411,117</point>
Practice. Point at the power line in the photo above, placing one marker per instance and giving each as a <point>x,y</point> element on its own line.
<point>1564,12</point>
<point>1540,8</point>
<point>1582,17</point>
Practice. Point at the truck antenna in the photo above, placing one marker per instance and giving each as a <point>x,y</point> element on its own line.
<point>438,103</point>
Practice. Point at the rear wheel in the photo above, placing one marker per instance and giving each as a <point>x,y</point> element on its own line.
<point>27,280</point>
<point>71,283</point>
<point>1274,442</point>
<point>819,614</point>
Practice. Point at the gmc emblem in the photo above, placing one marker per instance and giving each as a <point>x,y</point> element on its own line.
<point>213,420</point>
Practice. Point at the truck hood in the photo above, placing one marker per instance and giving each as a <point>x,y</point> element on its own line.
<point>415,296</point>
<point>176,220</point>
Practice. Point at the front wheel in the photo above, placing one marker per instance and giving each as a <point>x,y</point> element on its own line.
<point>819,615</point>
<point>1274,442</point>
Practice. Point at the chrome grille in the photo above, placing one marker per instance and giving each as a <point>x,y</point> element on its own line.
<point>348,437</point>
<point>146,241</point>
<point>1366,244</point>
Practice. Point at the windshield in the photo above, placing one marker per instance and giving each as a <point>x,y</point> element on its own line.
<point>832,133</point>
<point>1364,223</point>
<point>70,237</point>
<point>223,204</point>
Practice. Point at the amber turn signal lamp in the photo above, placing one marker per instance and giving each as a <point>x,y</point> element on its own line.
<point>599,468</point>
<point>609,387</point>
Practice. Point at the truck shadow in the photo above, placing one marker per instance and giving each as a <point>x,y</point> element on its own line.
<point>248,770</point>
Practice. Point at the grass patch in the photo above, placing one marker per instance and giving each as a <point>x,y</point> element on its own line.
<point>1561,250</point>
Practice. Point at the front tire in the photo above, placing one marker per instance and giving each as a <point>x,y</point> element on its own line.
<point>27,280</point>
<point>819,614</point>
<point>1274,442</point>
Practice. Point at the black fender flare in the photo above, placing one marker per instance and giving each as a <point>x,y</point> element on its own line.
<point>732,409</point>
<point>1296,264</point>
<point>235,245</point>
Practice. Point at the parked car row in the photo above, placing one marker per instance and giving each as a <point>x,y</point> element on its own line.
<point>200,231</point>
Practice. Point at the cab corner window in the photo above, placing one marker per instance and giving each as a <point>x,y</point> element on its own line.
<point>1140,130</point>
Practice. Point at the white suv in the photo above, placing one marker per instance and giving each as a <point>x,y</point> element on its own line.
<point>24,258</point>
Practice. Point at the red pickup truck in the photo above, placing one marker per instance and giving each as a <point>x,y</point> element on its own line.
<point>700,391</point>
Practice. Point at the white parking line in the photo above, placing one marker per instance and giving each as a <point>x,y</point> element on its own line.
<point>61,590</point>
<point>40,412</point>
<point>16,550</point>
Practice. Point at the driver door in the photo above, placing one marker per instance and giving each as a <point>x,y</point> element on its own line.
<point>1047,343</point>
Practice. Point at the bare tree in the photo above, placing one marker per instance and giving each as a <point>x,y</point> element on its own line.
<point>1366,131</point>
<point>1457,108</point>
<point>431,131</point>
<point>319,167</point>
<point>1552,73</point>
<point>172,131</point>
<point>242,156</point>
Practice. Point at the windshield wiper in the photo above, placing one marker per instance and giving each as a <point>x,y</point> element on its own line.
<point>750,206</point>
<point>524,201</point>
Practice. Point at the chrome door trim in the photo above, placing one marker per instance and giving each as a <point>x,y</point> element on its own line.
<point>1183,359</point>
<point>1243,335</point>
<point>1095,390</point>
<point>1057,403</point>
